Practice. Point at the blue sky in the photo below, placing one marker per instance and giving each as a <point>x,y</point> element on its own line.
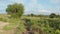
<point>34,6</point>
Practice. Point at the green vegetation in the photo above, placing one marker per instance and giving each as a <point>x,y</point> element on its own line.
<point>52,15</point>
<point>32,24</point>
<point>15,10</point>
<point>36,25</point>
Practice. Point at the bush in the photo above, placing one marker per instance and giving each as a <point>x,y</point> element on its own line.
<point>15,10</point>
<point>52,15</point>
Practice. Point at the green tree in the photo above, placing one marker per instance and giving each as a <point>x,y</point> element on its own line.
<point>15,10</point>
<point>32,14</point>
<point>52,15</point>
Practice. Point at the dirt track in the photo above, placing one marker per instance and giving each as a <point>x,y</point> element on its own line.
<point>2,24</point>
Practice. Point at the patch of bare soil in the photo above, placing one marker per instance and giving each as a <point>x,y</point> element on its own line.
<point>11,31</point>
<point>2,24</point>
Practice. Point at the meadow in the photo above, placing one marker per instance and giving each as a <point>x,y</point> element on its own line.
<point>30,25</point>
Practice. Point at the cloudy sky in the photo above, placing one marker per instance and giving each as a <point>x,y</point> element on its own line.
<point>34,6</point>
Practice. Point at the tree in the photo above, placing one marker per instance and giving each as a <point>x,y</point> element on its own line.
<point>52,15</point>
<point>32,14</point>
<point>15,10</point>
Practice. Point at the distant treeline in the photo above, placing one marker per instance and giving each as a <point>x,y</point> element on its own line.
<point>52,15</point>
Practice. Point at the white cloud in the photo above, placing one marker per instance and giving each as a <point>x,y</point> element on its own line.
<point>34,1</point>
<point>18,1</point>
<point>55,1</point>
<point>33,6</point>
<point>44,11</point>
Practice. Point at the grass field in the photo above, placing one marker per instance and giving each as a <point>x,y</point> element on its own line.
<point>35,25</point>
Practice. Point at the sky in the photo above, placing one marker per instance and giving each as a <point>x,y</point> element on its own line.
<point>45,7</point>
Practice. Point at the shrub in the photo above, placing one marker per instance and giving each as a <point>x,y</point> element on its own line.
<point>15,10</point>
<point>52,15</point>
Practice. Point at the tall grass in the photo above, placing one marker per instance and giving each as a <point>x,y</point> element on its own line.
<point>36,25</point>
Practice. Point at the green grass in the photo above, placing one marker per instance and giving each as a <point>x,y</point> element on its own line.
<point>12,24</point>
<point>48,25</point>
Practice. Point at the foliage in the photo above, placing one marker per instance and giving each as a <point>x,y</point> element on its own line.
<point>43,26</point>
<point>15,10</point>
<point>52,15</point>
<point>32,14</point>
<point>33,25</point>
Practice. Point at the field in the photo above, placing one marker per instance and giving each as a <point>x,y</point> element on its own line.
<point>29,25</point>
